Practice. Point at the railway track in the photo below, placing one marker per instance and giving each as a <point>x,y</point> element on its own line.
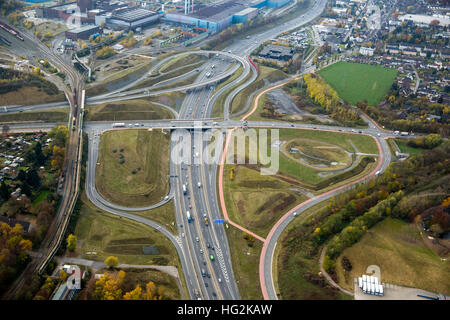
<point>72,167</point>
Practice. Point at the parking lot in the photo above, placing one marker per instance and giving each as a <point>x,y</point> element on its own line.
<point>393,292</point>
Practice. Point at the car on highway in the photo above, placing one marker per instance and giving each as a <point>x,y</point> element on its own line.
<point>208,245</point>
<point>197,239</point>
<point>190,206</point>
<point>182,234</point>
<point>220,280</point>
<point>378,134</point>
<point>206,284</point>
<point>295,214</point>
<point>204,262</point>
<point>201,251</point>
<point>214,294</point>
<point>166,197</point>
<point>211,257</point>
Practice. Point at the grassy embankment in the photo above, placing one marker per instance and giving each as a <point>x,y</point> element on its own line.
<point>296,271</point>
<point>134,167</point>
<point>399,249</point>
<point>101,234</point>
<point>124,76</point>
<point>138,109</point>
<point>29,96</point>
<point>257,202</point>
<point>56,115</point>
<point>266,76</point>
<point>217,109</point>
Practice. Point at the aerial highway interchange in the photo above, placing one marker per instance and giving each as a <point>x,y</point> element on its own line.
<point>195,241</point>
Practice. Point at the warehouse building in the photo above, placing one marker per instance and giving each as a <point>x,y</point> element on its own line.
<point>277,52</point>
<point>131,18</point>
<point>82,33</point>
<point>215,17</point>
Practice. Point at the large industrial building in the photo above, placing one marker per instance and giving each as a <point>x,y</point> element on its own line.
<point>131,18</point>
<point>83,32</point>
<point>219,16</point>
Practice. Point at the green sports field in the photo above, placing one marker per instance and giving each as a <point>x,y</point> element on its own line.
<point>356,82</point>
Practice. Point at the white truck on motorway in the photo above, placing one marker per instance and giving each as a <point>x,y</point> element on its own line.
<point>404,133</point>
<point>118,125</point>
<point>188,216</point>
<point>199,184</point>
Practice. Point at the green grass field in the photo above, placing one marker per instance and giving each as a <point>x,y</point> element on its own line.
<point>356,82</point>
<point>407,149</point>
<point>105,234</point>
<point>142,178</point>
<point>165,215</point>
<point>256,201</point>
<point>57,115</point>
<point>182,61</point>
<point>398,248</point>
<point>138,109</point>
<point>245,261</point>
<point>29,96</point>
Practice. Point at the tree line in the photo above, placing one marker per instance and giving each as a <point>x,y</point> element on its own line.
<point>12,80</point>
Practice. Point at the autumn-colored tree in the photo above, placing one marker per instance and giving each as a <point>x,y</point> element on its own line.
<point>46,290</point>
<point>59,135</point>
<point>58,154</point>
<point>134,294</point>
<point>150,292</point>
<point>13,254</point>
<point>112,261</point>
<point>71,242</point>
<point>108,287</point>
<point>63,275</point>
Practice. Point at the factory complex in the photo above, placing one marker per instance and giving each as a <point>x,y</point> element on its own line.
<point>219,16</point>
<point>89,15</point>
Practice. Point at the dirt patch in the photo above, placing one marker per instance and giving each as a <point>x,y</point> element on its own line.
<point>268,202</point>
<point>241,206</point>
<point>286,202</point>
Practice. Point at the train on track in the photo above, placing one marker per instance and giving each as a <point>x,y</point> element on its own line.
<point>11,30</point>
